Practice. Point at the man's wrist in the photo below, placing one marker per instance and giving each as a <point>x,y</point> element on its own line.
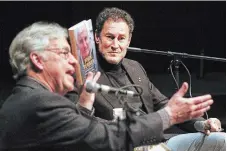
<point>168,111</point>
<point>165,118</point>
<point>86,105</point>
<point>86,110</point>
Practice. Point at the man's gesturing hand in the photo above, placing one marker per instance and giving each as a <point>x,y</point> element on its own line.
<point>181,109</point>
<point>87,99</point>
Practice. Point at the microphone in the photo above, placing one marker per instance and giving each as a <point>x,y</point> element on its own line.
<point>201,126</point>
<point>95,87</point>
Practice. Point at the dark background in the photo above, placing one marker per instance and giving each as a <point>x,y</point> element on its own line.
<point>189,27</point>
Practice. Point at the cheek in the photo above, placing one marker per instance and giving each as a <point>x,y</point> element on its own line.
<point>104,46</point>
<point>81,46</point>
<point>122,55</point>
<point>123,49</point>
<point>87,42</point>
<point>60,67</point>
<point>124,46</point>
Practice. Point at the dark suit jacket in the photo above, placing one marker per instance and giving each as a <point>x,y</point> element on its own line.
<point>33,118</point>
<point>151,98</point>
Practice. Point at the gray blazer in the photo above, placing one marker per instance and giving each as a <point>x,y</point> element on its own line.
<point>33,118</point>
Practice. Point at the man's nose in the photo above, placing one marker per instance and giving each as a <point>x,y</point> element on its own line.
<point>115,44</point>
<point>72,59</point>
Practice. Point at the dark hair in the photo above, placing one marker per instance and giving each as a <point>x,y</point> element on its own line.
<point>114,14</point>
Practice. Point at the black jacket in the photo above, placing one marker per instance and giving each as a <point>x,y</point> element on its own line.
<point>33,118</point>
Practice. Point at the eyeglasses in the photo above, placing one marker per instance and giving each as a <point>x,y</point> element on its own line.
<point>64,53</point>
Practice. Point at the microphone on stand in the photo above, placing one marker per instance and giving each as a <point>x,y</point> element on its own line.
<point>124,113</point>
<point>95,87</point>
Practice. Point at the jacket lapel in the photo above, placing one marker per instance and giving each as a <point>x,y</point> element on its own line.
<point>137,76</point>
<point>132,73</point>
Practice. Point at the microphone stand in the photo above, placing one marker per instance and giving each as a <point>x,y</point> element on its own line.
<point>176,63</point>
<point>177,56</point>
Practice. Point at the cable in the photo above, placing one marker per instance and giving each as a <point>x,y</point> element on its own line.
<point>121,98</point>
<point>190,83</point>
<point>171,71</point>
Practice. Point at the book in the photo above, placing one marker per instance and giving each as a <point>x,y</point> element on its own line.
<point>83,48</point>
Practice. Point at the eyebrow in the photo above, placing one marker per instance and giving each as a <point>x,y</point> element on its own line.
<point>120,34</point>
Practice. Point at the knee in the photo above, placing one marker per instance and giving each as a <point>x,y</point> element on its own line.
<point>217,137</point>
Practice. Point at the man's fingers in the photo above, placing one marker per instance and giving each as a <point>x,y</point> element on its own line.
<point>92,76</point>
<point>207,132</point>
<point>202,105</point>
<point>89,76</point>
<point>97,76</point>
<point>200,99</point>
<point>215,124</point>
<point>199,113</point>
<point>181,92</point>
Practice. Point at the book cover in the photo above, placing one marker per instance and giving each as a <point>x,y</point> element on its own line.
<point>83,48</point>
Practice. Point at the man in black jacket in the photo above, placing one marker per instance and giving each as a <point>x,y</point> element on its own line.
<point>113,34</point>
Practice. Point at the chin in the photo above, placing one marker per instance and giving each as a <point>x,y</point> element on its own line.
<point>70,87</point>
<point>113,61</point>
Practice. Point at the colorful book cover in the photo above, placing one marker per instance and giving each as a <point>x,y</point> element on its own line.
<point>83,49</point>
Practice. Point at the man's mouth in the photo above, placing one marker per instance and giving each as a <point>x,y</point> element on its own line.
<point>71,73</point>
<point>113,52</point>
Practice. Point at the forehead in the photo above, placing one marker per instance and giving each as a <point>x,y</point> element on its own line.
<point>59,43</point>
<point>118,26</point>
<point>83,33</point>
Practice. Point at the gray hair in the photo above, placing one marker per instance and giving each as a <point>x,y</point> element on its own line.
<point>114,14</point>
<point>35,37</point>
<point>80,30</point>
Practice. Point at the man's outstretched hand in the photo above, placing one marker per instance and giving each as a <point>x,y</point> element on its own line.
<point>181,109</point>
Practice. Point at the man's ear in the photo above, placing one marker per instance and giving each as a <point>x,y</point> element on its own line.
<point>36,60</point>
<point>96,38</point>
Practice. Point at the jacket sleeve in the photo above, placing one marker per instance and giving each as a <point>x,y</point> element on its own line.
<point>63,124</point>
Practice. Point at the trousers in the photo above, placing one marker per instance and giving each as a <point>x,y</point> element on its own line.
<point>198,142</point>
